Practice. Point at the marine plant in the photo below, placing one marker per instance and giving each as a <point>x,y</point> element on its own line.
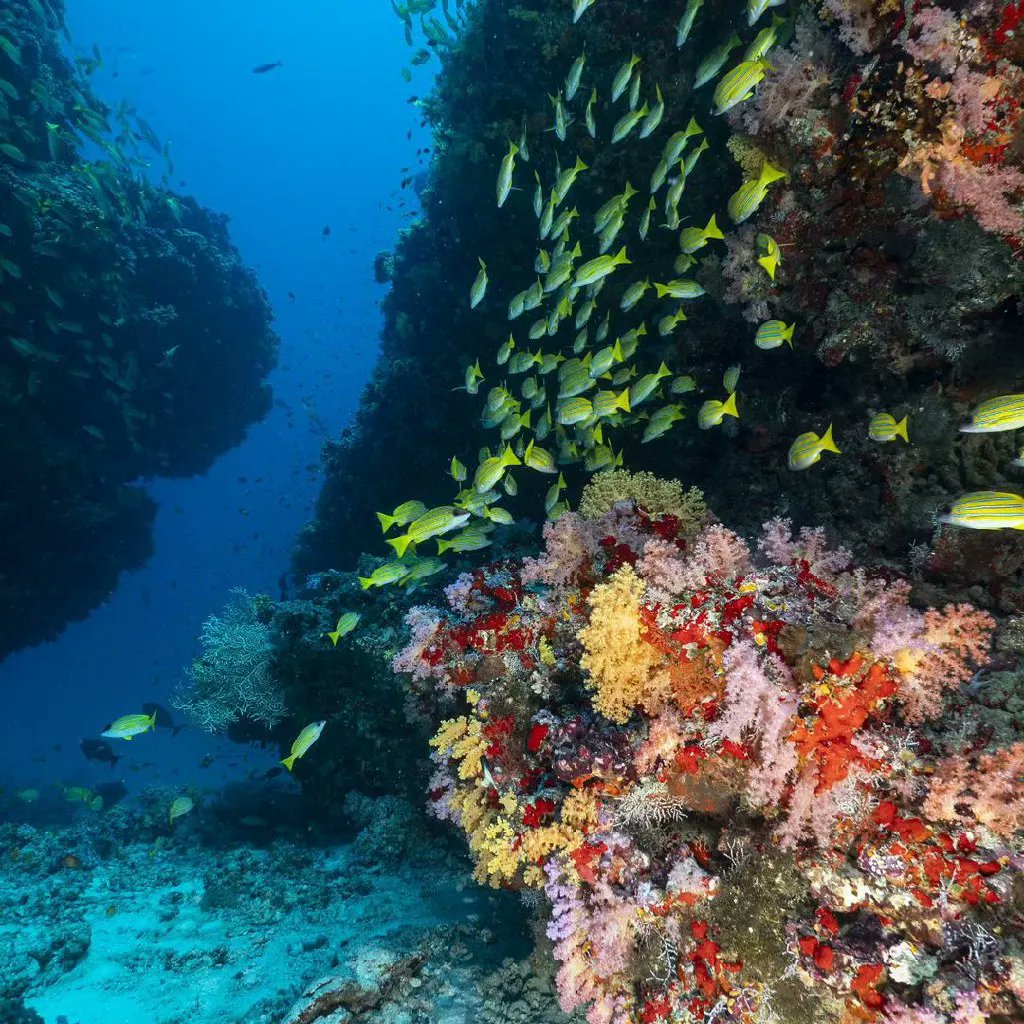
<point>727,771</point>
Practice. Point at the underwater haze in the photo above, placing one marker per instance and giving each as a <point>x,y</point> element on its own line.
<point>513,512</point>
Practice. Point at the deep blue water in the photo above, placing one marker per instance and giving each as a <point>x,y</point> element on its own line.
<point>318,142</point>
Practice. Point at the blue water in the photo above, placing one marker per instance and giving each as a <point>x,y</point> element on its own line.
<point>318,142</point>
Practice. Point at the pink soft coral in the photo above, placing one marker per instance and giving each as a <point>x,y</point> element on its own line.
<point>988,794</point>
<point>953,642</point>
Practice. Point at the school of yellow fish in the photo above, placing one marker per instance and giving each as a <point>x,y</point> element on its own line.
<point>565,382</point>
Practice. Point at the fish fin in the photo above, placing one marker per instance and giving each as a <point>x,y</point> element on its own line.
<point>621,257</point>
<point>289,761</point>
<point>769,174</point>
<point>787,334</point>
<point>827,444</point>
<point>662,290</point>
<point>729,406</point>
<point>712,229</point>
<point>400,544</point>
<point>365,582</point>
<point>443,545</point>
<point>622,402</point>
<point>152,722</point>
<point>386,521</point>
<point>901,430</point>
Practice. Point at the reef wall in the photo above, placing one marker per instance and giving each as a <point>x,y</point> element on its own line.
<point>135,343</point>
<point>898,227</point>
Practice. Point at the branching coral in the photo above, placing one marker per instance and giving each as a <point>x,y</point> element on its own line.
<point>644,744</point>
<point>232,679</point>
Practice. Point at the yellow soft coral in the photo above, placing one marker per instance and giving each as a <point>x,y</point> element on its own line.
<point>745,152</point>
<point>546,840</point>
<point>461,738</point>
<point>621,665</point>
<point>498,860</point>
<point>580,810</point>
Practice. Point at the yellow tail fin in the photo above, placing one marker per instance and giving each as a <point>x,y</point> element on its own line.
<point>729,406</point>
<point>712,230</point>
<point>901,430</point>
<point>289,761</point>
<point>827,444</point>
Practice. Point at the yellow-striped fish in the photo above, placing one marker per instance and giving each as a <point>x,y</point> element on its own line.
<point>345,625</point>
<point>668,324</point>
<point>686,21</point>
<point>575,410</point>
<point>551,498</point>
<point>1003,413</point>
<point>738,85</point>
<point>402,516</point>
<point>987,510</point>
<point>580,7</point>
<point>806,450</point>
<point>647,385</point>
<point>715,61</point>
<point>679,289</point>
<point>508,166</point>
<point>433,523</point>
<point>749,196</point>
<point>597,269</point>
<point>473,377</point>
<point>127,726</point>
<point>692,239</point>
<point>623,76</point>
<point>731,377</point>
<point>388,573</point>
<point>712,412</point>
<point>539,459</point>
<point>625,125</point>
<point>565,182</point>
<point>662,421</point>
<point>479,289</point>
<point>655,117</point>
<point>575,76</point>
<point>883,427</point>
<point>771,256</point>
<point>180,806</point>
<point>303,742</point>
<point>490,471</point>
<point>607,403</point>
<point>773,333</point>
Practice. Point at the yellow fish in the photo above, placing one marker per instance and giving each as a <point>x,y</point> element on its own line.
<point>1003,413</point>
<point>508,166</point>
<point>180,807</point>
<point>883,427</point>
<point>479,289</point>
<point>712,412</point>
<point>987,510</point>
<point>127,726</point>
<point>402,516</point>
<point>806,450</point>
<point>389,572</point>
<point>303,742</point>
<point>345,625</point>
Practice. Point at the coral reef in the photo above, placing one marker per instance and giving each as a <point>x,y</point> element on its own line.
<point>136,343</point>
<point>897,130</point>
<point>735,786</point>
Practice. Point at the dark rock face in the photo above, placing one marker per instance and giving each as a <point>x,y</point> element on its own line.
<point>136,344</point>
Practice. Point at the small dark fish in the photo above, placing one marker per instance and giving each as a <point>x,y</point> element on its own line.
<point>326,231</point>
<point>207,761</point>
<point>262,69</point>
<point>291,296</point>
<point>99,750</point>
<point>164,719</point>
